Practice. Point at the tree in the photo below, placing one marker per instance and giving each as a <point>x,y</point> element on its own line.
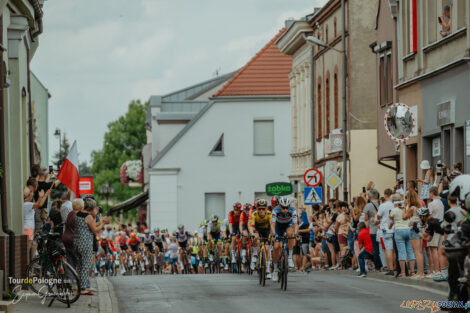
<point>123,141</point>
<point>84,169</point>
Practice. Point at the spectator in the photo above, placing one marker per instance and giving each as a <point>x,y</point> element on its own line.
<point>370,211</point>
<point>366,247</point>
<point>386,231</point>
<point>341,228</point>
<point>399,187</point>
<point>402,235</point>
<point>109,233</point>
<point>411,185</point>
<point>436,210</point>
<point>426,183</point>
<point>411,214</point>
<point>66,206</point>
<point>35,169</point>
<point>432,228</point>
<point>28,214</point>
<point>55,219</point>
<point>331,237</point>
<point>86,229</point>
<point>444,20</point>
<point>69,232</point>
<point>304,232</point>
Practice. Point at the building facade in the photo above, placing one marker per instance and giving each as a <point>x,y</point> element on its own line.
<point>40,108</point>
<point>230,150</point>
<point>326,94</point>
<point>434,75</point>
<point>21,24</point>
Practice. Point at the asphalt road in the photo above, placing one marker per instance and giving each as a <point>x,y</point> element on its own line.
<point>315,292</point>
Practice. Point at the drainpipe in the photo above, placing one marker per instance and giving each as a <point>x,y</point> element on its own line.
<point>312,101</point>
<point>3,187</point>
<point>32,160</point>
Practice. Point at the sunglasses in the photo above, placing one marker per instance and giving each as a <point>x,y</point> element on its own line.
<point>261,209</point>
<point>283,208</point>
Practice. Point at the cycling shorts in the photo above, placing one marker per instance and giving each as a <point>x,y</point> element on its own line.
<point>281,228</point>
<point>263,232</point>
<point>215,236</point>
<point>135,248</point>
<point>160,246</point>
<point>123,248</point>
<point>184,244</point>
<point>150,247</point>
<point>244,227</point>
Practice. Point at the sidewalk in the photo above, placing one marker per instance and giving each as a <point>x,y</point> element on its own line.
<point>103,301</point>
<point>426,282</point>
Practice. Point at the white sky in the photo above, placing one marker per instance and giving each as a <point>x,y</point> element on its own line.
<point>95,56</point>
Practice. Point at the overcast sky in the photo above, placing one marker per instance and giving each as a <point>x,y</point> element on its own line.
<point>96,56</point>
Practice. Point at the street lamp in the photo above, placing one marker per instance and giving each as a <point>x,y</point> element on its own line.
<point>57,134</point>
<point>315,41</point>
<point>106,190</point>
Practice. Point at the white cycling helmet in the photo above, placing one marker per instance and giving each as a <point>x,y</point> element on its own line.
<point>424,211</point>
<point>284,202</point>
<point>460,187</point>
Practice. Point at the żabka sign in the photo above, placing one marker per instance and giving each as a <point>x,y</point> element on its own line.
<point>278,189</point>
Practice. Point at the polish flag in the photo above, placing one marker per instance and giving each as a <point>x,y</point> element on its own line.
<point>68,174</point>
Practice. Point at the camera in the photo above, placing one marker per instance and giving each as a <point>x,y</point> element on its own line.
<point>439,164</point>
<point>51,169</point>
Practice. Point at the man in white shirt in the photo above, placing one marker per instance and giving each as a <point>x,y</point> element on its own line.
<point>66,207</point>
<point>386,232</point>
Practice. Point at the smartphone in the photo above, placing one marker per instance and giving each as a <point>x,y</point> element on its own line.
<point>51,169</point>
<point>438,173</point>
<point>439,20</point>
<point>363,189</point>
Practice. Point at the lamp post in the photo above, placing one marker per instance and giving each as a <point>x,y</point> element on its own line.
<point>106,190</point>
<point>315,41</point>
<point>57,134</point>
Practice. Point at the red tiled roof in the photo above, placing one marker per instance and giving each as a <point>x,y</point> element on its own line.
<point>265,74</point>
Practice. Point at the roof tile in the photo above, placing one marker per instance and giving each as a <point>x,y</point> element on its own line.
<point>267,73</point>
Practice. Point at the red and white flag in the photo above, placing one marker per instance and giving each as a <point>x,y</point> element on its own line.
<point>68,174</point>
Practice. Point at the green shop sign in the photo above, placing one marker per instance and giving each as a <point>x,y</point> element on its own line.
<point>278,189</point>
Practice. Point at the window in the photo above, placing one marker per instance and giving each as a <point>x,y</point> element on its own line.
<point>218,149</point>
<point>326,34</point>
<point>336,99</point>
<point>263,137</point>
<point>413,26</point>
<point>319,131</point>
<point>334,25</point>
<point>386,78</point>
<point>214,205</point>
<point>327,105</point>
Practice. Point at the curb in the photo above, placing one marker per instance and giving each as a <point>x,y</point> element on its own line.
<point>429,283</point>
<point>107,298</point>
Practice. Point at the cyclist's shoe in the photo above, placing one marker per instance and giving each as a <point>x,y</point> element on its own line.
<point>290,262</point>
<point>226,267</point>
<point>275,276</point>
<point>254,261</point>
<point>268,276</point>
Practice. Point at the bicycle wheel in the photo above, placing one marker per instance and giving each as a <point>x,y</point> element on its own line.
<point>64,289</point>
<point>35,269</point>
<point>286,271</point>
<point>261,268</point>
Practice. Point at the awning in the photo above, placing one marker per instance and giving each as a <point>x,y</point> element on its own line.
<point>129,204</point>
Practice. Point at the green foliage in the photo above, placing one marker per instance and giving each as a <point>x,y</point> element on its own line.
<point>84,169</point>
<point>123,141</point>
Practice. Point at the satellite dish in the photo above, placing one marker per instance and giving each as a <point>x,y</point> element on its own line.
<point>399,122</point>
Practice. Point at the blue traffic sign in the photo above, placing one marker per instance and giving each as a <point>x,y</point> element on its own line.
<point>313,195</point>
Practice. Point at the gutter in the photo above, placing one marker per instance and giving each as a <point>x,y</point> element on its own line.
<point>3,187</point>
<point>38,14</point>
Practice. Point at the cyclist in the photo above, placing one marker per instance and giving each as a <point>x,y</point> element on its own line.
<point>260,228</point>
<point>234,225</point>
<point>244,218</point>
<point>158,239</point>
<point>182,237</point>
<point>283,221</point>
<point>274,203</point>
<point>225,242</point>
<point>134,242</point>
<point>148,240</point>
<point>202,232</point>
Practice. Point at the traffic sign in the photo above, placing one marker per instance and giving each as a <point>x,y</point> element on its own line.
<point>334,181</point>
<point>312,177</point>
<point>313,195</point>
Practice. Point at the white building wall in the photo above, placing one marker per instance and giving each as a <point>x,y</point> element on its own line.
<point>167,131</point>
<point>163,198</point>
<point>238,174</point>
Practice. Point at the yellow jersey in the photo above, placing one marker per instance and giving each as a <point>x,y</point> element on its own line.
<point>261,222</point>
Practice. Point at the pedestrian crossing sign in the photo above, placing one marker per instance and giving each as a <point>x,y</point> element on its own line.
<point>313,195</point>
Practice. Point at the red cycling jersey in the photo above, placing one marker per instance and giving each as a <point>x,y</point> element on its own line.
<point>233,218</point>
<point>244,217</point>
<point>105,243</point>
<point>133,242</point>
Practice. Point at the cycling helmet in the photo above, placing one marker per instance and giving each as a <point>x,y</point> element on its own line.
<point>133,235</point>
<point>156,229</point>
<point>284,202</point>
<point>147,231</point>
<point>180,226</point>
<point>460,188</point>
<point>261,203</point>
<point>424,211</point>
<point>237,205</point>
<point>246,206</point>
<point>275,201</point>
<point>215,219</point>
<point>203,223</point>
